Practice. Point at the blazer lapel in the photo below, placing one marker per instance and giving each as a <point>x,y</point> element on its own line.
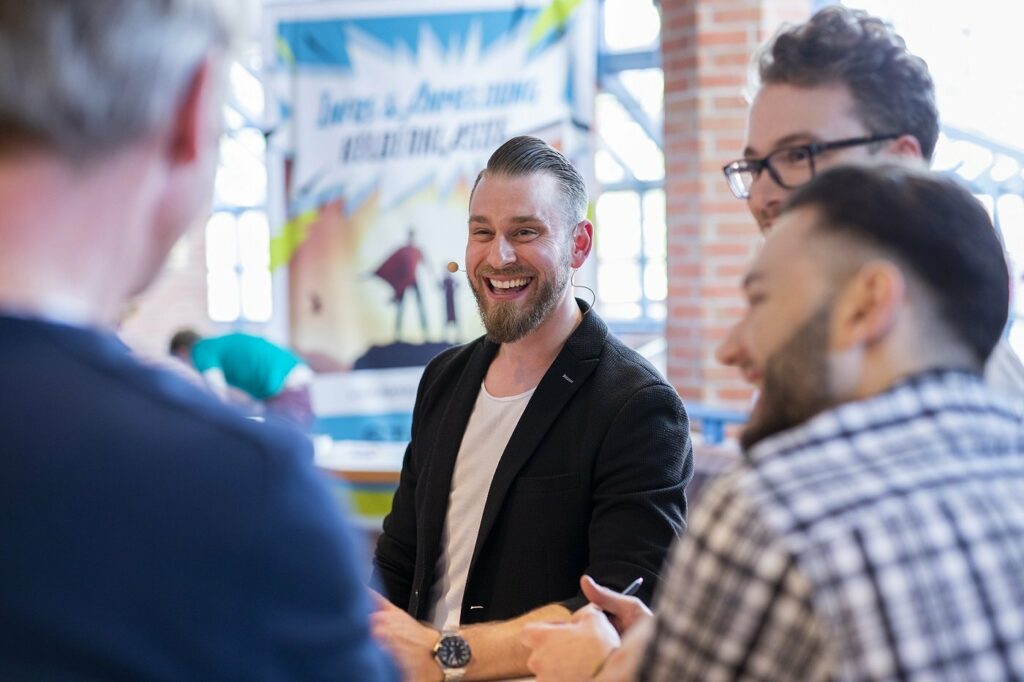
<point>437,482</point>
<point>567,373</point>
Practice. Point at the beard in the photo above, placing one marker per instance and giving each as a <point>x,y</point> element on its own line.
<point>510,321</point>
<point>797,384</point>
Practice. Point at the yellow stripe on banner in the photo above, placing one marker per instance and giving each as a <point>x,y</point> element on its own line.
<point>371,503</point>
<point>293,234</point>
<point>284,51</point>
<point>554,17</point>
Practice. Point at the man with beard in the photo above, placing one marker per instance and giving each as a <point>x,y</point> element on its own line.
<point>875,529</point>
<point>541,451</point>
<point>839,88</point>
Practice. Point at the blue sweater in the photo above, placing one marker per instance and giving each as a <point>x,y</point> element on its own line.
<point>149,533</point>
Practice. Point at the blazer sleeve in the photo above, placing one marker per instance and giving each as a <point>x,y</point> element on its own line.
<point>639,500</point>
<point>394,560</point>
<point>309,609</point>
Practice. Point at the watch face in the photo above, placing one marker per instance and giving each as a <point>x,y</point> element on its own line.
<point>453,652</point>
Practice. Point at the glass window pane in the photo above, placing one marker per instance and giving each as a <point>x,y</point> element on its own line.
<point>655,281</point>
<point>654,225</point>
<point>221,242</point>
<point>257,302</point>
<point>630,24</point>
<point>618,281</point>
<point>648,88</point>
<point>222,296</point>
<point>620,311</point>
<point>628,140</point>
<point>607,168</point>
<point>241,178</point>
<point>254,240</point>
<point>618,225</point>
<point>247,91</point>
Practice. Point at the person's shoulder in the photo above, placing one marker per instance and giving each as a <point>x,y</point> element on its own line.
<point>630,369</point>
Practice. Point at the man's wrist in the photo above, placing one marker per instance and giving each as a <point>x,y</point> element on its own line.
<point>452,654</point>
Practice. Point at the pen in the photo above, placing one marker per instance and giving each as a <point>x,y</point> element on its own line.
<point>633,587</point>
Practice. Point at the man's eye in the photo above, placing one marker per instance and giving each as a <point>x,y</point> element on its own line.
<point>794,156</point>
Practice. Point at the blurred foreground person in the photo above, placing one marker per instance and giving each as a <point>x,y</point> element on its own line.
<point>875,529</point>
<point>147,531</point>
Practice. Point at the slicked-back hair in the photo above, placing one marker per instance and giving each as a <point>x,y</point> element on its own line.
<point>933,229</point>
<point>892,88</point>
<point>526,155</point>
<point>81,78</point>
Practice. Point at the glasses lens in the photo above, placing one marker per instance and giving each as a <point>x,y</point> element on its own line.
<point>793,166</point>
<point>740,176</point>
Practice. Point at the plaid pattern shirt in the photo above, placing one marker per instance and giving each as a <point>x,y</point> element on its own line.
<point>882,539</point>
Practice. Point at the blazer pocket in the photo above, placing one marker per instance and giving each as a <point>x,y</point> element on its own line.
<point>535,485</point>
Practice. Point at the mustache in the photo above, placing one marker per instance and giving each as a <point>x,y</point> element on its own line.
<point>511,271</point>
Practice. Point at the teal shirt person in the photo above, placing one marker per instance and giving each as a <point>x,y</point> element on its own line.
<point>249,363</point>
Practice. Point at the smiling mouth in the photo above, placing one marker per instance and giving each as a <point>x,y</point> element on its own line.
<point>507,286</point>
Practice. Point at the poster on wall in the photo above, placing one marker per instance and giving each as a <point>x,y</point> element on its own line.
<point>390,109</point>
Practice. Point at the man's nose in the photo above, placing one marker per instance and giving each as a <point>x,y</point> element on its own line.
<point>766,197</point>
<point>502,253</point>
<point>730,352</point>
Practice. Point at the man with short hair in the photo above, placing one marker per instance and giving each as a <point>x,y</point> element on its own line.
<point>541,451</point>
<point>148,531</point>
<point>875,529</point>
<point>841,87</point>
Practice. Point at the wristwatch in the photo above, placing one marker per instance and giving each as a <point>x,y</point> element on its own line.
<point>453,655</point>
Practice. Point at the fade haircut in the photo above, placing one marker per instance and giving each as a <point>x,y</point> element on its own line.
<point>81,78</point>
<point>935,230</point>
<point>892,89</point>
<point>526,155</point>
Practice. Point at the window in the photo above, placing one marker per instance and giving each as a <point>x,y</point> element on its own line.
<point>238,234</point>
<point>630,169</point>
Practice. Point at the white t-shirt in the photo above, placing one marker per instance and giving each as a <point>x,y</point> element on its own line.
<point>490,426</point>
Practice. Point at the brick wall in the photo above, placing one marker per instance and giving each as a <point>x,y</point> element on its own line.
<point>706,51</point>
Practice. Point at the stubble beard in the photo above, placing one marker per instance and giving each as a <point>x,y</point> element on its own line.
<point>797,384</point>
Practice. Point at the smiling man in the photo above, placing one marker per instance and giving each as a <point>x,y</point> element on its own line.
<point>840,88</point>
<point>875,528</point>
<point>541,451</point>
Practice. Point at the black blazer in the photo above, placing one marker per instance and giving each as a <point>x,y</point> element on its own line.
<point>592,481</point>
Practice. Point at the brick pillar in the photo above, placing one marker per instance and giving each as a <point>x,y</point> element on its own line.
<point>706,48</point>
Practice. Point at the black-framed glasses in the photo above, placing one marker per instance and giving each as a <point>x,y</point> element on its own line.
<point>789,167</point>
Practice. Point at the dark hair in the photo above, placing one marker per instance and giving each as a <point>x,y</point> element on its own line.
<point>183,340</point>
<point>892,88</point>
<point>934,228</point>
<point>526,155</point>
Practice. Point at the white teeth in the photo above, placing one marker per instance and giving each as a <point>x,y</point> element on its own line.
<point>510,284</point>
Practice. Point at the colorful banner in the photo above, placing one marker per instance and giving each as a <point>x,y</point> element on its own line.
<point>391,111</point>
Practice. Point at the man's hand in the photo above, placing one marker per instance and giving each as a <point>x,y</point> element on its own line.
<point>623,612</point>
<point>570,651</point>
<point>411,643</point>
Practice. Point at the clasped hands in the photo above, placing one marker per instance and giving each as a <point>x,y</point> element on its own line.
<point>604,640</point>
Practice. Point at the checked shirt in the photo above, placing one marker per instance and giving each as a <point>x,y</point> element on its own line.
<point>880,540</point>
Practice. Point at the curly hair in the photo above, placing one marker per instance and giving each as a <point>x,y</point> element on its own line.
<point>892,88</point>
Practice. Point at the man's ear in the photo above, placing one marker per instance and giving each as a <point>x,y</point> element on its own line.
<point>582,242</point>
<point>868,307</point>
<point>195,122</point>
<point>906,146</point>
